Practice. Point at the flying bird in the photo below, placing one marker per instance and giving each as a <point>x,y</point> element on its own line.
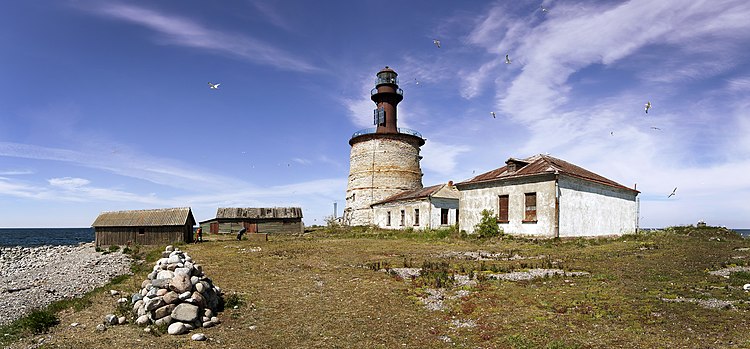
<point>213,86</point>
<point>543,9</point>
<point>647,106</point>
<point>493,114</point>
<point>436,42</point>
<point>416,81</point>
<point>507,59</point>
<point>673,193</point>
<point>655,128</point>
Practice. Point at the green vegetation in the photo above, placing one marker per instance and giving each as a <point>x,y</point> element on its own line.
<point>487,226</point>
<point>327,289</point>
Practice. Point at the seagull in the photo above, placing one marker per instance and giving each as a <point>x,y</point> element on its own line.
<point>647,106</point>
<point>507,59</point>
<point>493,114</point>
<point>655,128</point>
<point>673,193</point>
<point>416,82</point>
<point>436,42</point>
<point>543,9</point>
<point>213,86</point>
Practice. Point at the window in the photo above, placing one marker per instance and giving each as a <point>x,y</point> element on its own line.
<point>530,216</point>
<point>141,231</point>
<point>502,215</point>
<point>403,217</point>
<point>388,219</point>
<point>379,116</point>
<point>444,216</point>
<point>416,216</point>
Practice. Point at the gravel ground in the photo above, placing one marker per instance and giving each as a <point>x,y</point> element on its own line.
<point>34,277</point>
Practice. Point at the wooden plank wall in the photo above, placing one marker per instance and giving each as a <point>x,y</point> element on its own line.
<point>273,226</point>
<point>106,236</point>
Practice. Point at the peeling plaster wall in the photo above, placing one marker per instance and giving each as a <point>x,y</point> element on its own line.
<point>429,213</point>
<point>477,197</point>
<point>380,166</point>
<point>591,209</point>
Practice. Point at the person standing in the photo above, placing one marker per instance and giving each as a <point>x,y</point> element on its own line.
<point>242,231</point>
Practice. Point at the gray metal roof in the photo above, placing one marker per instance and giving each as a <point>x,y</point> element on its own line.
<point>143,218</point>
<point>258,212</point>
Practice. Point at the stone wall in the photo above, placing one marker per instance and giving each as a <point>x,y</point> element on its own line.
<point>380,165</point>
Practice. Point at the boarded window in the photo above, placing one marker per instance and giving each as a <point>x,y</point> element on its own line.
<point>379,117</point>
<point>403,217</point>
<point>502,209</point>
<point>416,216</point>
<point>444,215</point>
<point>388,219</point>
<point>141,231</point>
<point>530,207</point>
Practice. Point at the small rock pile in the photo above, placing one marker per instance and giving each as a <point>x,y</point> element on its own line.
<point>177,294</point>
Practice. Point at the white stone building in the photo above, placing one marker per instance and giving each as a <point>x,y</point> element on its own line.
<point>431,207</point>
<point>543,196</point>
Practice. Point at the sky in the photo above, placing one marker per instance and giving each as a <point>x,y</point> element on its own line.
<point>105,105</point>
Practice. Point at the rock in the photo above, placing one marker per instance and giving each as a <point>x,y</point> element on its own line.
<point>161,283</point>
<point>185,295</point>
<point>146,283</point>
<point>185,271</point>
<point>121,320</point>
<point>180,283</point>
<point>207,324</point>
<point>142,320</point>
<point>171,297</point>
<point>154,303</point>
<point>135,298</point>
<point>194,279</point>
<point>165,274</point>
<point>198,337</point>
<point>252,327</point>
<point>169,248</point>
<point>114,292</point>
<point>165,321</point>
<point>101,327</point>
<point>174,258</point>
<point>199,300</point>
<point>122,300</point>
<point>185,312</point>
<point>110,319</point>
<point>176,328</point>
<point>163,311</point>
<point>147,330</point>
<point>208,312</point>
<point>200,287</point>
<point>215,320</point>
<point>161,292</point>
<point>75,324</point>
<point>137,305</point>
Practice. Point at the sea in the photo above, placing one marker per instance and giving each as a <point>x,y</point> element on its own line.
<point>29,237</point>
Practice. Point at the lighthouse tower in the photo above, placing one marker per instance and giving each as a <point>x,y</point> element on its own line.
<point>384,160</point>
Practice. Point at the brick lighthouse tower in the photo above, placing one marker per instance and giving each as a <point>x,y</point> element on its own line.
<point>384,160</point>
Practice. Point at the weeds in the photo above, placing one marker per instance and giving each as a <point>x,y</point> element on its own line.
<point>39,321</point>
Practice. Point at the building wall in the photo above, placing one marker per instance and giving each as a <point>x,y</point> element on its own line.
<point>429,213</point>
<point>274,226</point>
<point>105,236</point>
<point>380,166</point>
<point>591,209</point>
<point>481,196</point>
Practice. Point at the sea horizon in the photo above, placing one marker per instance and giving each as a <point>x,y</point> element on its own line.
<point>30,237</point>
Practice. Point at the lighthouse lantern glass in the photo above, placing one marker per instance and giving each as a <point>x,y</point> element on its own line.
<point>387,78</point>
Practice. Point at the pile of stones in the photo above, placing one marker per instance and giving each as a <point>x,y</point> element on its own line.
<point>177,294</point>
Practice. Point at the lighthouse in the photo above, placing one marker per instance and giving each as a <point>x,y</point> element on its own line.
<point>384,159</point>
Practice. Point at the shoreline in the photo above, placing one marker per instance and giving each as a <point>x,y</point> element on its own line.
<point>34,277</point>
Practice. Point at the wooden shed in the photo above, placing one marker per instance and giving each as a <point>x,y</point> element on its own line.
<point>161,226</point>
<point>274,220</point>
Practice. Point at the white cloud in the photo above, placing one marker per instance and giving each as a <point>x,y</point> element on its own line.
<point>441,158</point>
<point>16,172</point>
<point>68,182</point>
<point>181,31</point>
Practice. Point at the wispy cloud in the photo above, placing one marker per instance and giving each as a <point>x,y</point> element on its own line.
<point>181,31</point>
<point>441,158</point>
<point>16,172</point>
<point>272,14</point>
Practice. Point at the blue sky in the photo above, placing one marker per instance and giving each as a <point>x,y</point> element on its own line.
<point>106,106</point>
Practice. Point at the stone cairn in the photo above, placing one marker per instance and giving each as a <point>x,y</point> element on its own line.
<point>177,294</point>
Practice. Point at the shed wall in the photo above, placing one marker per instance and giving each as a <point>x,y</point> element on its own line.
<point>106,236</point>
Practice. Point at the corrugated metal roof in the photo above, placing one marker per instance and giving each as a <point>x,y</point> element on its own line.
<point>542,164</point>
<point>259,212</point>
<point>413,194</point>
<point>142,218</point>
